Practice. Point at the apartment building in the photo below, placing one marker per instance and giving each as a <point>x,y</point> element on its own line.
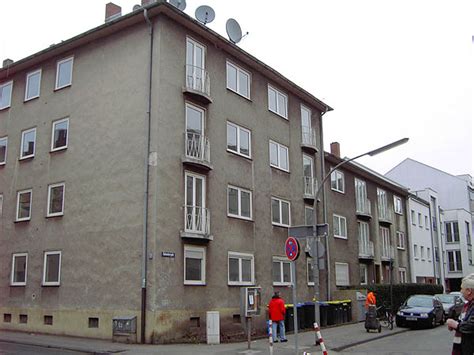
<point>149,167</point>
<point>455,196</point>
<point>368,216</point>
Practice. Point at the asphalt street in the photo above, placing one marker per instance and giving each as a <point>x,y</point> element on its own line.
<point>20,349</point>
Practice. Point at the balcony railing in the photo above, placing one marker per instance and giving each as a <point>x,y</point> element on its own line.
<point>385,215</point>
<point>197,81</point>
<point>310,186</point>
<point>366,249</point>
<point>363,207</point>
<point>388,252</point>
<point>197,220</point>
<point>308,138</point>
<point>197,148</point>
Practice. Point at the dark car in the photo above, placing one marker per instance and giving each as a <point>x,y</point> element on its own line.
<point>452,305</point>
<point>420,310</point>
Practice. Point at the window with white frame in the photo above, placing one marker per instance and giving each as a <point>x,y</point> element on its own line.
<point>468,232</point>
<point>64,73</point>
<point>309,272</point>
<point>56,200</point>
<point>402,275</point>
<point>427,225</point>
<point>420,223</point>
<point>52,268</point>
<point>363,274</point>
<point>241,269</point>
<point>238,80</point>
<point>428,254</point>
<point>342,274</point>
<point>23,205</point>
<point>281,271</point>
<point>59,134</point>
<point>238,140</point>
<point>33,85</point>
<point>6,95</point>
<point>194,265</point>
<point>454,261</point>
<point>415,251</point>
<point>400,240</point>
<point>1,205</point>
<point>308,215</point>
<point>397,203</point>
<point>279,156</point>
<point>3,150</point>
<point>239,202</point>
<point>28,142</point>
<point>19,269</point>
<point>452,232</point>
<point>382,203</point>
<point>277,102</point>
<point>281,215</point>
<point>422,252</point>
<point>340,226</point>
<point>337,181</point>
<point>413,221</point>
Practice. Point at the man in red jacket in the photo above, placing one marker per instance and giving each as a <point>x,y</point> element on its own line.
<point>277,310</point>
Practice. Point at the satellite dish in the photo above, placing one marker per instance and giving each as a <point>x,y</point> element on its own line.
<point>136,7</point>
<point>205,14</point>
<point>179,4</point>
<point>233,30</point>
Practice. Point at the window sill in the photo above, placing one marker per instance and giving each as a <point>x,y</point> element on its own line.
<point>240,283</point>
<point>240,217</point>
<point>188,283</point>
<point>340,237</point>
<point>239,154</point>
<point>5,108</point>
<point>30,99</point>
<point>399,213</point>
<point>280,225</point>
<point>28,157</point>
<point>62,87</point>
<point>54,215</point>
<point>339,191</point>
<point>18,285</point>
<point>400,248</point>
<point>56,150</point>
<point>282,284</point>
<point>239,94</point>
<point>55,284</point>
<point>276,113</point>
<point>280,169</point>
<point>21,220</point>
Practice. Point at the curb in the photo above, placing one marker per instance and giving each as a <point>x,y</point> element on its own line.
<point>60,347</point>
<point>343,347</point>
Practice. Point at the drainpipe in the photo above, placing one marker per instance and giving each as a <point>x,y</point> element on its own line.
<point>146,183</point>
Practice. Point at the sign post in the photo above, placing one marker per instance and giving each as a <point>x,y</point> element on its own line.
<point>292,250</point>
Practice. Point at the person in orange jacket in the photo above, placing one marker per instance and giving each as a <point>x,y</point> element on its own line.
<point>277,311</point>
<point>370,300</point>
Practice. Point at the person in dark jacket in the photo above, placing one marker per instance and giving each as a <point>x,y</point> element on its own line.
<point>277,311</point>
<point>463,342</point>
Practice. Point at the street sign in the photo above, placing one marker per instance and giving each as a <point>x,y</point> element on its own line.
<point>292,249</point>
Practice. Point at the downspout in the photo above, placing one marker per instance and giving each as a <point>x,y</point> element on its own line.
<point>147,183</point>
<point>433,247</point>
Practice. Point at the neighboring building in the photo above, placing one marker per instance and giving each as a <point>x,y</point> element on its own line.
<point>456,200</point>
<point>368,225</point>
<point>152,169</point>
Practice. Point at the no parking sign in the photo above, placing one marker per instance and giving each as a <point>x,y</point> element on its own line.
<point>292,248</point>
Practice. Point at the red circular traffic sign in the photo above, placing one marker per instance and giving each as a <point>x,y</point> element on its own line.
<point>292,248</point>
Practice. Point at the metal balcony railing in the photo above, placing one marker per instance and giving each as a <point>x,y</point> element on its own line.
<point>197,79</point>
<point>197,220</point>
<point>366,249</point>
<point>310,186</point>
<point>309,137</point>
<point>388,252</point>
<point>197,147</point>
<point>364,207</point>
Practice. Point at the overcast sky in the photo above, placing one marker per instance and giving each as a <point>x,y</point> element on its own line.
<point>390,69</point>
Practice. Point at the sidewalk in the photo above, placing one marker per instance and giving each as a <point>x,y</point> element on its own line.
<point>335,338</point>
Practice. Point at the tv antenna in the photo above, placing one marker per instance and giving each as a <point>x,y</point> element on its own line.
<point>136,7</point>
<point>234,31</point>
<point>179,4</point>
<point>205,14</point>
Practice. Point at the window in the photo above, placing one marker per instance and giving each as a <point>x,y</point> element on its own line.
<point>6,95</point>
<point>64,73</point>
<point>397,203</point>
<point>454,261</point>
<point>196,75</point>
<point>342,274</point>
<point>308,179</point>
<point>241,269</point>
<point>402,275</point>
<point>339,225</point>
<point>382,204</point>
<point>337,181</point>
<point>279,156</point>
<point>3,150</point>
<point>452,232</point>
<point>307,133</point>
<point>238,140</point>
<point>1,205</point>
<point>196,215</point>
<point>422,252</point>
<point>281,271</point>
<point>59,135</point>
<point>363,274</point>
<point>400,240</point>
<point>55,200</point>
<point>413,221</point>
<point>280,212</point>
<point>238,80</point>
<point>194,265</point>
<point>23,205</point>
<point>386,246</point>
<point>468,233</point>
<point>19,269</point>
<point>239,202</point>
<point>309,271</point>
<point>365,246</point>
<point>277,102</point>
<point>33,84</point>
<point>308,216</point>
<point>28,139</point>
<point>428,254</point>
<point>362,203</point>
<point>415,251</point>
<point>52,268</point>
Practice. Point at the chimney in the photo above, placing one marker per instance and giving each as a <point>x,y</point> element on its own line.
<point>112,11</point>
<point>336,149</point>
<point>7,62</point>
<point>147,2</point>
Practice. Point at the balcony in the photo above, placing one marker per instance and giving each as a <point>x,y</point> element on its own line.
<point>308,140</point>
<point>363,208</point>
<point>310,187</point>
<point>366,250</point>
<point>198,84</point>
<point>197,222</point>
<point>385,216</point>
<point>197,150</point>
<point>388,252</point>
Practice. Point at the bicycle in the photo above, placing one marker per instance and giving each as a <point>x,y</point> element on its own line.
<point>385,317</point>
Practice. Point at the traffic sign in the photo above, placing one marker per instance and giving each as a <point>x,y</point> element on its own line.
<point>292,248</point>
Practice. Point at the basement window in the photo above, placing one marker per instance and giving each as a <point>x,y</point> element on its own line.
<point>48,320</point>
<point>23,318</point>
<point>195,322</point>
<point>236,318</point>
<point>7,318</point>
<point>93,322</point>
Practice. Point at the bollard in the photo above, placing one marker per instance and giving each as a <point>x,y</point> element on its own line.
<point>270,336</point>
<point>320,338</point>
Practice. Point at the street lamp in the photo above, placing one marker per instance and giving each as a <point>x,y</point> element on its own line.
<point>316,237</point>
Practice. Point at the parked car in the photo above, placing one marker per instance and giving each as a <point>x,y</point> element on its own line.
<point>420,310</point>
<point>457,293</point>
<point>452,305</point>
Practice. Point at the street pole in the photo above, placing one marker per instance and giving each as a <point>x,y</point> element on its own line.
<point>295,309</point>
